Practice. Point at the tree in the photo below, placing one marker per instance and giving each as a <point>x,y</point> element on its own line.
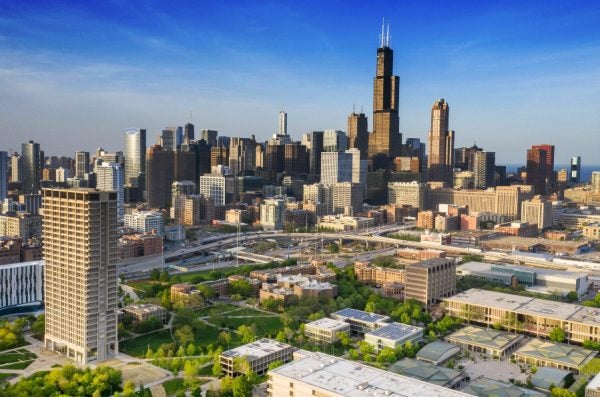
<point>185,335</point>
<point>216,368</point>
<point>149,353</point>
<point>386,355</point>
<point>333,248</point>
<point>470,312</point>
<point>206,291</point>
<point>190,370</point>
<point>38,327</point>
<point>241,365</point>
<point>241,287</point>
<point>180,351</point>
<point>557,335</point>
<point>224,338</point>
<point>572,296</point>
<point>164,276</point>
<point>247,334</point>
<point>165,300</point>
<point>344,339</point>
<point>275,364</point>
<point>154,274</point>
<point>242,387</point>
<point>190,350</point>
<point>560,392</point>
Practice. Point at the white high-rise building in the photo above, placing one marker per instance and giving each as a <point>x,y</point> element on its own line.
<point>537,211</point>
<point>596,181</point>
<point>272,214</point>
<point>111,177</point>
<point>62,174</point>
<point>283,123</point>
<point>359,167</point>
<point>218,188</point>
<point>336,167</point>
<point>335,141</point>
<point>80,249</point>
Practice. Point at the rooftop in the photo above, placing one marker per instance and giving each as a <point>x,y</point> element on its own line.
<point>430,373</point>
<point>484,387</point>
<point>341,377</point>
<point>396,331</point>
<point>548,376</point>
<point>143,308</point>
<point>361,316</point>
<point>260,348</point>
<point>327,323</point>
<point>484,337</point>
<point>567,355</point>
<point>594,384</point>
<point>434,351</point>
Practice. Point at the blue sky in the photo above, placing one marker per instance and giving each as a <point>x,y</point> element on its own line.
<point>74,76</point>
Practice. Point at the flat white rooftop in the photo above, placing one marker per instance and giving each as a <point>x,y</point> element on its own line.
<point>328,324</point>
<point>341,377</point>
<point>359,315</point>
<point>260,348</point>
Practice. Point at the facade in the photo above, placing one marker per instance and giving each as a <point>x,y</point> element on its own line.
<point>218,188</point>
<point>336,167</point>
<point>15,167</point>
<point>596,182</point>
<point>3,175</point>
<point>441,144</point>
<point>325,330</point>
<point>557,355</point>
<point>490,342</point>
<point>258,354</point>
<point>334,141</point>
<point>22,225</point>
<point>82,164</point>
<point>319,374</point>
<point>517,228</point>
<point>540,168</point>
<point>22,286</point>
<point>407,193</point>
<point>536,317</point>
<point>146,222</point>
<point>111,177</point>
<point>426,372</point>
<point>210,136</point>
<point>593,387</point>
<point>377,275</point>
<point>314,271</point>
<point>80,248</point>
<point>272,214</point>
<point>537,211</point>
<point>135,156</point>
<point>345,223</point>
<point>283,123</point>
<point>394,335</point>
<point>361,322</point>
<point>159,176</point>
<point>575,171</point>
<point>385,141</point>
<point>431,280</point>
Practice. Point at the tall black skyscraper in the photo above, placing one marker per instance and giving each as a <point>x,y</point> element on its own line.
<point>31,166</point>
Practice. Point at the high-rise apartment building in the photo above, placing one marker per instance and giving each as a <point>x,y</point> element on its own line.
<point>441,144</point>
<point>385,141</point>
<point>358,134</point>
<point>15,167</point>
<point>272,214</point>
<point>596,182</point>
<point>110,177</point>
<point>32,164</point>
<point>283,123</point>
<point>210,136</point>
<point>80,248</point>
<point>359,167</point>
<point>429,281</point>
<point>336,167</point>
<point>537,211</point>
<point>540,168</point>
<point>135,157</point>
<point>347,198</point>
<point>575,172</point>
<point>218,188</point>
<point>159,176</point>
<point>484,168</point>
<point>3,175</point>
<point>82,164</point>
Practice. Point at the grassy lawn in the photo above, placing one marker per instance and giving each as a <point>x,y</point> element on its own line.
<point>264,325</point>
<point>137,347</point>
<point>216,310</point>
<point>4,377</point>
<point>17,355</point>
<point>19,365</point>
<point>173,386</point>
<point>246,311</point>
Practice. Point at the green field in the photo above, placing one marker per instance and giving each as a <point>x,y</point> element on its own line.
<point>265,326</point>
<point>17,355</point>
<point>4,377</point>
<point>246,311</point>
<point>137,347</point>
<point>173,386</point>
<point>215,310</point>
<point>17,365</point>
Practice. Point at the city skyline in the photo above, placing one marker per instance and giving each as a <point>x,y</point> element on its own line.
<point>539,76</point>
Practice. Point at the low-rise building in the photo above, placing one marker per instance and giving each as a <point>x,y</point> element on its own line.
<point>377,275</point>
<point>437,375</point>
<point>591,231</point>
<point>420,255</point>
<point>361,322</point>
<point>325,330</point>
<point>517,228</point>
<point>258,354</point>
<point>488,388</point>
<point>316,270</point>
<point>22,286</point>
<point>136,245</point>
<point>143,312</point>
<point>300,286</point>
<point>545,378</point>
<point>341,223</point>
<point>558,355</point>
<point>393,335</point>
<point>437,353</point>
<point>593,387</point>
<point>319,374</point>
<point>491,342</point>
<point>146,222</point>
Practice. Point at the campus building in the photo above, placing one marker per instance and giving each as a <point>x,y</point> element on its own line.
<point>524,314</point>
<point>143,312</point>
<point>377,275</point>
<point>361,322</point>
<point>487,341</point>
<point>325,330</point>
<point>541,353</point>
<point>430,280</point>
<point>21,286</point>
<point>258,354</point>
<point>393,335</point>
<point>437,375</point>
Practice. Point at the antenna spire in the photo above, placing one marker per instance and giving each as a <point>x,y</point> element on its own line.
<point>382,32</point>
<point>387,37</point>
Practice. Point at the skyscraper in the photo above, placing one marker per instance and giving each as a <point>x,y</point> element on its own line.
<point>336,167</point>
<point>188,134</point>
<point>575,174</point>
<point>316,148</point>
<point>540,168</point>
<point>16,172</point>
<point>596,181</point>
<point>358,134</point>
<point>441,144</point>
<point>82,164</point>
<point>210,136</point>
<point>109,177</point>
<point>159,176</point>
<point>80,248</point>
<point>385,140</point>
<point>168,138</point>
<point>3,175</point>
<point>283,123</point>
<point>334,141</point>
<point>31,167</point>
<point>135,157</point>
<point>484,167</point>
